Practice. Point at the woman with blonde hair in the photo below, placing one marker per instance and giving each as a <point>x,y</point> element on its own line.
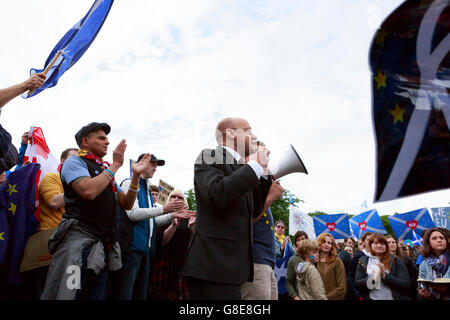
<point>331,268</point>
<point>381,275</point>
<point>166,282</point>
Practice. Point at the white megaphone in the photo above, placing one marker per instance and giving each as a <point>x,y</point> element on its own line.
<point>289,163</point>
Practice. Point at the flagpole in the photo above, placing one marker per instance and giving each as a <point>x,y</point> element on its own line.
<point>47,69</point>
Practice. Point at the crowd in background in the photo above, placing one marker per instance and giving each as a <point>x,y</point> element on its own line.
<point>129,247</point>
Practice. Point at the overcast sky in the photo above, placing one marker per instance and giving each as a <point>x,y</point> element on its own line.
<point>163,73</point>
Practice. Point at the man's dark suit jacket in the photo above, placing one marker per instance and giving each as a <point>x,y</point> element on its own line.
<point>228,195</point>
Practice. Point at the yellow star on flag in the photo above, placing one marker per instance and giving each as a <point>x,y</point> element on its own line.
<point>380,37</point>
<point>11,189</point>
<point>397,113</point>
<point>380,79</point>
<point>13,208</point>
<point>1,236</point>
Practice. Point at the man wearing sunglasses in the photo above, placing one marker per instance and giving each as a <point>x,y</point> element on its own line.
<point>228,193</point>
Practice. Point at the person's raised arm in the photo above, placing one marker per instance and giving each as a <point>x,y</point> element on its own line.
<point>32,83</point>
<point>126,200</point>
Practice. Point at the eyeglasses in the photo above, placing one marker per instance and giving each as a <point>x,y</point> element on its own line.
<point>282,227</point>
<point>177,197</point>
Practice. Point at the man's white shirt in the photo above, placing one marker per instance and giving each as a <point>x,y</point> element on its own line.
<point>139,214</point>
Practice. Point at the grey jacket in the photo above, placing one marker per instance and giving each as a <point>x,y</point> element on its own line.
<point>66,246</point>
<point>309,281</point>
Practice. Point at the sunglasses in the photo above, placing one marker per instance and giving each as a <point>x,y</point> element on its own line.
<point>282,227</point>
<point>177,197</point>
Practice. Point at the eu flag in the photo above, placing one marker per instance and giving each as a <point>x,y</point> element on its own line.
<point>335,224</point>
<point>74,44</point>
<point>404,224</point>
<point>410,64</point>
<point>17,220</point>
<point>365,222</point>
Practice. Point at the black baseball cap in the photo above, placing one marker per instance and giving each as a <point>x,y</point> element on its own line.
<point>93,126</point>
<point>152,159</point>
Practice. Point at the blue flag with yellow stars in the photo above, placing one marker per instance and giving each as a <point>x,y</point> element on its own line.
<point>410,64</point>
<point>17,220</point>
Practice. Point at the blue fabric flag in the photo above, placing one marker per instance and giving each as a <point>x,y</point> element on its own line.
<point>17,204</point>
<point>366,221</point>
<point>335,224</point>
<point>416,240</point>
<point>280,269</point>
<point>411,104</point>
<point>405,223</point>
<point>74,44</point>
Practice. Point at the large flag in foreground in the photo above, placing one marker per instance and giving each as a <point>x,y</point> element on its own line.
<point>17,205</point>
<point>300,221</point>
<point>405,223</point>
<point>366,221</point>
<point>335,224</point>
<point>411,105</point>
<point>73,45</point>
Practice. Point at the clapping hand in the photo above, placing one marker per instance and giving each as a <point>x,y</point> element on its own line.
<point>139,167</point>
<point>119,153</point>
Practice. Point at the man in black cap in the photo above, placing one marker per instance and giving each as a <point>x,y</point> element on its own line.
<point>85,240</point>
<point>137,236</point>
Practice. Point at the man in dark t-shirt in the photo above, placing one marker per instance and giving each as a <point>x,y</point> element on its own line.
<point>264,285</point>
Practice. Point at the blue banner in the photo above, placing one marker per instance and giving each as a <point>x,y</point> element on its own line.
<point>335,224</point>
<point>441,217</point>
<point>74,44</point>
<point>405,223</point>
<point>366,221</point>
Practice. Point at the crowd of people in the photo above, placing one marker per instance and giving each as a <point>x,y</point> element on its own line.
<point>123,245</point>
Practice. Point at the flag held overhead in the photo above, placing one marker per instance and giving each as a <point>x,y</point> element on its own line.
<point>335,224</point>
<point>72,45</point>
<point>367,221</point>
<point>405,223</point>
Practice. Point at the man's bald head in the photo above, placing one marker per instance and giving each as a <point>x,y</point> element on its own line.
<point>228,123</point>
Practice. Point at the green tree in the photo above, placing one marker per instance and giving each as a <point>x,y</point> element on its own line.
<point>280,207</point>
<point>190,197</point>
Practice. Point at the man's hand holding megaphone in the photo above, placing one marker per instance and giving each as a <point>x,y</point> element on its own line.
<point>262,157</point>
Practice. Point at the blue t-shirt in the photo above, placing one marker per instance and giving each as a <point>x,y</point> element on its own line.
<point>74,167</point>
<point>264,240</point>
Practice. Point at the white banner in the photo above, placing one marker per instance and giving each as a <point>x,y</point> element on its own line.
<point>300,221</point>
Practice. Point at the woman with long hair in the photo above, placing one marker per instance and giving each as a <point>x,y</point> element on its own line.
<point>398,249</point>
<point>166,282</point>
<point>381,275</point>
<point>435,263</point>
<point>331,268</point>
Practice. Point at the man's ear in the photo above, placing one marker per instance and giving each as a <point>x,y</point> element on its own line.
<point>84,141</point>
<point>230,132</point>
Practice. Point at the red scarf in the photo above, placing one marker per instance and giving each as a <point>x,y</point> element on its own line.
<point>103,164</point>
